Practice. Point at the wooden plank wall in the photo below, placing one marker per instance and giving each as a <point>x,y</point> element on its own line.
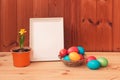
<point>8,24</point>
<point>71,22</point>
<point>95,18</point>
<point>93,24</point>
<point>24,13</point>
<point>40,8</point>
<point>116,25</point>
<point>0,27</point>
<point>88,27</point>
<point>55,8</point>
<point>104,28</point>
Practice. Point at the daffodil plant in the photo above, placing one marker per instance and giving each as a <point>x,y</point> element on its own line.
<point>22,37</point>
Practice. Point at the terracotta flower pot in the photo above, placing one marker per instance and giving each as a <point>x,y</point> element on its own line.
<point>21,59</point>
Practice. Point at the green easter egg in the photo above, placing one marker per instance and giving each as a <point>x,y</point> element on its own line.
<point>103,61</point>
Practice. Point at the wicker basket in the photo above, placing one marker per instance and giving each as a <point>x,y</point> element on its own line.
<point>72,63</point>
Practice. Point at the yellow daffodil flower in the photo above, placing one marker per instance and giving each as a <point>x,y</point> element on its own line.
<point>22,31</point>
<point>22,37</point>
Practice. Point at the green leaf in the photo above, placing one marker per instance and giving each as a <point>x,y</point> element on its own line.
<point>22,41</point>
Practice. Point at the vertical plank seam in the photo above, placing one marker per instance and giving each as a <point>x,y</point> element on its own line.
<point>1,12</point>
<point>48,8</point>
<point>64,21</point>
<point>17,19</point>
<point>112,25</point>
<point>0,25</point>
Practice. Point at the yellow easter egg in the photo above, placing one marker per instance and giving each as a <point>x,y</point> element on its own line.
<point>74,56</point>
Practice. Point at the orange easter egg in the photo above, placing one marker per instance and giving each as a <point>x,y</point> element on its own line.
<point>74,56</point>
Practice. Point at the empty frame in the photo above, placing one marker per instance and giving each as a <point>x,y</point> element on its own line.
<point>46,38</point>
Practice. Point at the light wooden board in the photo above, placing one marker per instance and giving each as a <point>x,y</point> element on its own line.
<point>46,38</point>
<point>58,71</point>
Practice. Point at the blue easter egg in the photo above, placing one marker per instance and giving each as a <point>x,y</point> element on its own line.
<point>93,64</point>
<point>81,50</point>
<point>66,58</point>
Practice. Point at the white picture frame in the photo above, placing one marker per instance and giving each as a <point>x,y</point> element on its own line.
<point>46,38</point>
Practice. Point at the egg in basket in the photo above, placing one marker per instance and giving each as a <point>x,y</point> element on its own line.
<point>72,57</point>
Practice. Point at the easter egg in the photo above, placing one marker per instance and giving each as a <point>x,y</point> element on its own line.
<point>72,49</point>
<point>90,58</point>
<point>63,52</point>
<point>103,61</point>
<point>66,58</point>
<point>81,57</point>
<point>81,50</point>
<point>93,64</point>
<point>74,56</point>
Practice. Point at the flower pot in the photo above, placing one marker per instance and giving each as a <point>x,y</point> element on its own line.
<point>21,59</point>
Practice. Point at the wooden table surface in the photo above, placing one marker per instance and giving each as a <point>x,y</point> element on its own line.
<point>58,71</point>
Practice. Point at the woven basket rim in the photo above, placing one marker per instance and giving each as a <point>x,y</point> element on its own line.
<point>72,63</point>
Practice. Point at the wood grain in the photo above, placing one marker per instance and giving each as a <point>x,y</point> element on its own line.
<point>88,25</point>
<point>0,28</point>
<point>8,24</point>
<point>71,22</point>
<point>57,70</point>
<point>40,8</point>
<point>24,13</point>
<point>56,8</point>
<point>104,28</point>
<point>78,22</point>
<point>67,17</point>
<point>116,24</point>
<point>93,24</point>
